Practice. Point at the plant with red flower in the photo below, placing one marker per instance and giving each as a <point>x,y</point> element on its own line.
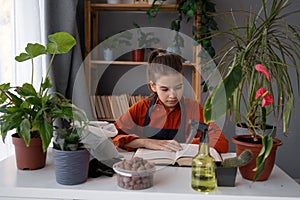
<point>256,62</point>
<point>257,105</point>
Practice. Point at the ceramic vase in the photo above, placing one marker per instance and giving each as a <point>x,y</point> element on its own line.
<point>71,167</point>
<point>108,54</point>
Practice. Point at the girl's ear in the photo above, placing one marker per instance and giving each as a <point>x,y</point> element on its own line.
<point>152,86</point>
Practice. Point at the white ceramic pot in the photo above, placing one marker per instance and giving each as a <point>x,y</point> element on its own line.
<point>108,54</point>
<point>113,1</point>
<point>164,2</point>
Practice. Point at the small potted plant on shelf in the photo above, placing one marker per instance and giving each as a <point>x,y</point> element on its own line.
<point>226,170</point>
<point>71,157</point>
<point>114,42</point>
<point>255,64</point>
<point>202,11</point>
<point>176,45</point>
<point>31,112</point>
<point>145,40</point>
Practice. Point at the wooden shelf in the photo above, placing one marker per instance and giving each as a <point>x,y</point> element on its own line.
<point>130,7</point>
<point>93,28</point>
<point>103,62</point>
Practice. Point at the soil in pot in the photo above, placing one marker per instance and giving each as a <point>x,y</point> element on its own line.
<point>243,142</point>
<point>29,158</point>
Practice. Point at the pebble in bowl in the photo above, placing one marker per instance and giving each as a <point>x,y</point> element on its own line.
<point>134,174</point>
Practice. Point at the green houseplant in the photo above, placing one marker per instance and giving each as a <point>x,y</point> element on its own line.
<point>71,157</point>
<point>114,42</point>
<point>30,112</point>
<point>261,53</point>
<point>145,40</point>
<point>200,10</point>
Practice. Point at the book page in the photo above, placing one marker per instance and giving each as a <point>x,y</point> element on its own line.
<point>182,157</point>
<point>156,156</point>
<point>191,150</point>
<point>213,152</point>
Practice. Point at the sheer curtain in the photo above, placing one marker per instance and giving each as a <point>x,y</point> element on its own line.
<point>21,22</point>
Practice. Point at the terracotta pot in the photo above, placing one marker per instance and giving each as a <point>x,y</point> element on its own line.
<point>138,55</point>
<point>29,158</point>
<point>243,142</point>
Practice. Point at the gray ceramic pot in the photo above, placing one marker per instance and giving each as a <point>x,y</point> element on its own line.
<point>71,167</point>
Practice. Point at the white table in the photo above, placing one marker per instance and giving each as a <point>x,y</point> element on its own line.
<point>169,183</point>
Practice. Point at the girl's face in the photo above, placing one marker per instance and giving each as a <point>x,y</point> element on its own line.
<point>169,89</point>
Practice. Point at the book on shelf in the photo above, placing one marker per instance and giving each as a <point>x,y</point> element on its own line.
<point>99,108</point>
<point>103,102</point>
<point>94,105</point>
<point>180,158</point>
<point>113,106</point>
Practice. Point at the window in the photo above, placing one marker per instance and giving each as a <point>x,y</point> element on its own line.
<point>20,22</point>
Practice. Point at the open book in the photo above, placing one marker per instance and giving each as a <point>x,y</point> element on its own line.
<point>182,158</point>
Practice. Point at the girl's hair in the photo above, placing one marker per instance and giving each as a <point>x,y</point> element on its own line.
<point>162,63</point>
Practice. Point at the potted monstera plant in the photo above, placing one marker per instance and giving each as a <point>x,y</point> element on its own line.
<point>31,112</point>
<point>256,87</point>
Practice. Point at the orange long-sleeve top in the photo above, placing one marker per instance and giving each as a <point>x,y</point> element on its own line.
<point>130,124</point>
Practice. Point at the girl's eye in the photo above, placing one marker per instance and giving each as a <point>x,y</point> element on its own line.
<point>178,87</point>
<point>164,89</point>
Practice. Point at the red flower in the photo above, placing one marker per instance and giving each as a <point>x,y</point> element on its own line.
<point>267,98</point>
<point>262,69</point>
<point>260,92</point>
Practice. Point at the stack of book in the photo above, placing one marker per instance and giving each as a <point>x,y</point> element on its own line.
<point>111,107</point>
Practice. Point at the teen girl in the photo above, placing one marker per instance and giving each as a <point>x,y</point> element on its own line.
<point>161,121</point>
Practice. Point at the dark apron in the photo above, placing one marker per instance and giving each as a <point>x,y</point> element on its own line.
<point>161,133</point>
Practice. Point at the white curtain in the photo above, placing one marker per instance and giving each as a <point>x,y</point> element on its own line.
<point>21,22</point>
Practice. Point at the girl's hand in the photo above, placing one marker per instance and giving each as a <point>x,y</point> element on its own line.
<point>166,145</point>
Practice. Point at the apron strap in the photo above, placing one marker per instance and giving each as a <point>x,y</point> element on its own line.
<point>147,118</point>
<point>180,135</point>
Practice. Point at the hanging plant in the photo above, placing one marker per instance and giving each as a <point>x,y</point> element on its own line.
<point>189,9</point>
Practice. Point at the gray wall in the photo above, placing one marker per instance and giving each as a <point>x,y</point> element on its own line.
<point>287,157</point>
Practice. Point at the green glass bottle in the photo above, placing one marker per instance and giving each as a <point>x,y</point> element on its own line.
<point>203,167</point>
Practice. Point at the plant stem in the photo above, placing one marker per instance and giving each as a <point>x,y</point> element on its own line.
<point>4,92</point>
<point>49,65</point>
<point>32,71</point>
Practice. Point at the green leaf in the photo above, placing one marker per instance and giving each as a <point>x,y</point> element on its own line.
<point>267,144</point>
<point>190,13</point>
<point>287,113</point>
<point>32,51</point>
<point>16,100</point>
<point>60,43</point>
<point>24,131</point>
<point>216,104</point>
<point>46,84</point>
<point>46,133</point>
<point>27,90</point>
<point>34,101</point>
<point>3,88</point>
